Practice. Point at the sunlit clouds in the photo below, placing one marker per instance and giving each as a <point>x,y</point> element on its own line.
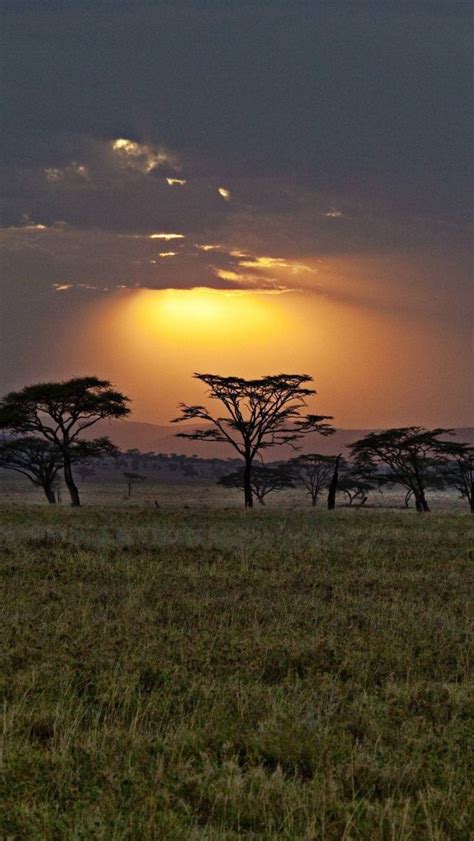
<point>176,195</point>
<point>333,214</point>
<point>141,157</point>
<point>72,172</point>
<point>166,237</point>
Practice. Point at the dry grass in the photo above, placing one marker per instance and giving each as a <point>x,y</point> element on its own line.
<point>214,675</point>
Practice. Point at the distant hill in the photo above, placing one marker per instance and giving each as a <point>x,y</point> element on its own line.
<point>149,437</point>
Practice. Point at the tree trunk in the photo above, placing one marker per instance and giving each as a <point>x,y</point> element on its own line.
<point>418,504</point>
<point>470,499</point>
<point>424,504</point>
<point>50,495</point>
<point>247,484</point>
<point>71,486</point>
<point>333,485</point>
<point>313,501</point>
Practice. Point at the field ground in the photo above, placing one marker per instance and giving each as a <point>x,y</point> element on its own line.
<point>199,493</point>
<point>208,675</point>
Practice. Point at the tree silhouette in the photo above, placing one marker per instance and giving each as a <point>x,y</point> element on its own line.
<point>41,460</point>
<point>263,480</point>
<point>333,485</point>
<point>458,469</point>
<point>260,413</point>
<point>355,487</point>
<point>313,471</point>
<point>37,459</point>
<point>132,479</point>
<point>411,455</point>
<point>60,412</point>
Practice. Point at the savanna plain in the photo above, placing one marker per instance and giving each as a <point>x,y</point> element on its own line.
<point>211,673</point>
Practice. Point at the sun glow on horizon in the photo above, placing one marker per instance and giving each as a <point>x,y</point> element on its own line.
<point>203,315</point>
<point>365,362</point>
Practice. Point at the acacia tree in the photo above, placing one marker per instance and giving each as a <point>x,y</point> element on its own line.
<point>458,470</point>
<point>263,479</point>
<point>313,471</point>
<point>355,487</point>
<point>60,412</point>
<point>132,479</point>
<point>260,413</point>
<point>41,461</point>
<point>411,455</point>
<point>37,459</point>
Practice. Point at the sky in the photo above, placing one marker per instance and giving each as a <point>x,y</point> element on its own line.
<point>243,188</point>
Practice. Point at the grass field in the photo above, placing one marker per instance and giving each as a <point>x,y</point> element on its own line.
<point>212,675</point>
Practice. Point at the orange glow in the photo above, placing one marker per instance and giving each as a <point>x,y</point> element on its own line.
<point>207,317</point>
<point>366,361</point>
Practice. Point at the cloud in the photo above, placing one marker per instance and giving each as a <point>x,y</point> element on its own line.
<point>73,172</point>
<point>166,236</point>
<point>333,214</point>
<point>140,157</point>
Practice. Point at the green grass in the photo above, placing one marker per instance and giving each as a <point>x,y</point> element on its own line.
<point>213,675</point>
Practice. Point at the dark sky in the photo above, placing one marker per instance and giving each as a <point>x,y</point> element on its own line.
<point>341,130</point>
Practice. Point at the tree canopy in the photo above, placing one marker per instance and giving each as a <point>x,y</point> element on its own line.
<point>458,468</point>
<point>264,479</point>
<point>313,471</point>
<point>39,460</point>
<point>60,412</point>
<point>259,414</point>
<point>411,455</point>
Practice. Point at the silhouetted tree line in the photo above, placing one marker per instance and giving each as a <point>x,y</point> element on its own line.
<point>42,428</point>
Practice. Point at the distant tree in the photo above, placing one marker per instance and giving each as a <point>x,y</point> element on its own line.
<point>333,484</point>
<point>314,472</point>
<point>37,459</point>
<point>458,468</point>
<point>60,412</point>
<point>411,455</point>
<point>264,480</point>
<point>41,460</point>
<point>132,479</point>
<point>355,487</point>
<point>259,414</point>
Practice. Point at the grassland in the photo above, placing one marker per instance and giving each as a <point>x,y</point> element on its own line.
<point>211,675</point>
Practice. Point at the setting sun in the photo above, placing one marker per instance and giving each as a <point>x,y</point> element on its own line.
<point>206,315</point>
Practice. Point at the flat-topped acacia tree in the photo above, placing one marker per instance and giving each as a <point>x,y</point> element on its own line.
<point>314,471</point>
<point>41,461</point>
<point>60,412</point>
<point>458,468</point>
<point>263,479</point>
<point>37,459</point>
<point>259,414</point>
<point>411,455</point>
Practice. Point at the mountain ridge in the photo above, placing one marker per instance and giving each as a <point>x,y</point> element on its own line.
<point>150,437</point>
